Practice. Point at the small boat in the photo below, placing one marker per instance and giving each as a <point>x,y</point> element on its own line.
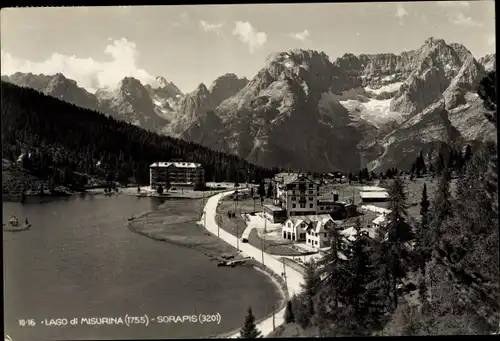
<point>13,221</point>
<point>10,228</point>
<point>131,218</point>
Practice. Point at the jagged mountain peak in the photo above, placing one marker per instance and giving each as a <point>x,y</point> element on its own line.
<point>488,62</point>
<point>201,89</point>
<point>129,82</point>
<point>160,83</point>
<point>434,41</point>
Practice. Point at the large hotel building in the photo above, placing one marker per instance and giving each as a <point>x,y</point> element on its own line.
<point>175,174</point>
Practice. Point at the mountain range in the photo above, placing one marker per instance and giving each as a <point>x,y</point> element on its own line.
<point>302,111</point>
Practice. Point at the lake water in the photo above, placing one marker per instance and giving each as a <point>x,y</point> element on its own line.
<point>78,261</point>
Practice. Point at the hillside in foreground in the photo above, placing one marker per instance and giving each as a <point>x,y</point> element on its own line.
<point>62,138</point>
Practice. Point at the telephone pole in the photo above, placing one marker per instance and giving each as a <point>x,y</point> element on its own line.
<point>237,238</point>
<point>274,308</point>
<point>284,271</point>
<point>262,249</point>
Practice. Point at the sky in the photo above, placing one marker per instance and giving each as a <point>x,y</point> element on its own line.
<point>189,45</point>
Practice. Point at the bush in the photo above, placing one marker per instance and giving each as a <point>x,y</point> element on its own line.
<point>199,186</point>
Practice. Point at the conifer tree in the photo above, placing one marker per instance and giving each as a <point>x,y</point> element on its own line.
<point>270,190</point>
<point>289,316</point>
<point>439,164</point>
<point>441,207</point>
<point>398,232</point>
<point>422,235</point>
<point>261,190</point>
<point>249,329</point>
<point>363,299</point>
<point>335,274</point>
<point>311,285</point>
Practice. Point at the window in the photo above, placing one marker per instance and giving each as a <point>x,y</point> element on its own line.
<point>315,242</point>
<point>293,192</point>
<point>310,185</point>
<point>310,192</point>
<point>322,208</point>
<point>302,205</point>
<point>302,235</point>
<point>294,205</point>
<point>310,198</point>
<point>294,198</point>
<point>311,205</point>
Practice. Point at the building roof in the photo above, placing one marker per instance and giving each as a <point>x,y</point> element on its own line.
<point>273,208</point>
<point>381,219</point>
<point>285,178</point>
<point>175,164</point>
<point>376,209</point>
<point>316,222</point>
<point>372,189</point>
<point>374,195</point>
<point>288,178</point>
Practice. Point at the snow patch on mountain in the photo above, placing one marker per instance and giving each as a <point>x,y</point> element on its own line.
<point>374,111</point>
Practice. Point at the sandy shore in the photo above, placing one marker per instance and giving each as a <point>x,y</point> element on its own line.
<point>147,192</point>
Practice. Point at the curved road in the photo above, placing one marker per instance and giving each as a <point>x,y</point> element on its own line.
<point>293,277</point>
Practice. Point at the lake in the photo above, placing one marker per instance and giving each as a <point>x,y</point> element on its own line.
<point>79,261</point>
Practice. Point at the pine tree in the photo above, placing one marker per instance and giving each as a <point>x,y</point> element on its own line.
<point>398,232</point>
<point>261,190</point>
<point>159,190</point>
<point>310,287</point>
<point>441,207</point>
<point>439,164</point>
<point>397,201</point>
<point>363,299</point>
<point>249,329</point>
<point>289,316</point>
<point>335,277</point>
<point>422,235</point>
<point>270,190</point>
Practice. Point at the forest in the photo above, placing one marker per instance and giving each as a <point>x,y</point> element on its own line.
<point>439,277</point>
<point>59,140</point>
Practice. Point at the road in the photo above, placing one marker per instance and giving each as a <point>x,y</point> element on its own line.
<point>293,277</point>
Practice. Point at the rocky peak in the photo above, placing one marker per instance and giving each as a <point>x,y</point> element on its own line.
<point>226,86</point>
<point>132,88</point>
<point>488,62</point>
<point>159,82</point>
<point>431,41</point>
<point>200,91</point>
<point>164,86</point>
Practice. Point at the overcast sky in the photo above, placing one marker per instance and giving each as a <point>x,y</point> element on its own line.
<point>98,46</point>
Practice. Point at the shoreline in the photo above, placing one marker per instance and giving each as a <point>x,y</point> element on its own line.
<point>214,251</point>
<point>284,298</point>
<point>293,279</point>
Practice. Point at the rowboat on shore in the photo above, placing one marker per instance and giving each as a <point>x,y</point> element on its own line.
<point>13,221</point>
<point>16,228</point>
